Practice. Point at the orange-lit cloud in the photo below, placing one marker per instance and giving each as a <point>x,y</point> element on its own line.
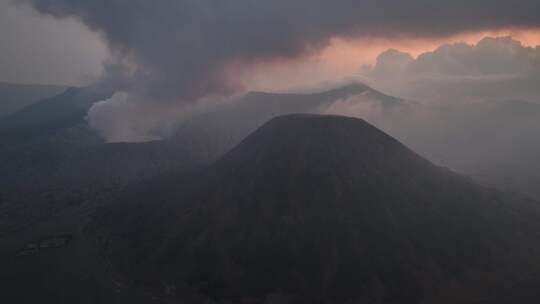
<point>344,57</point>
<point>366,50</point>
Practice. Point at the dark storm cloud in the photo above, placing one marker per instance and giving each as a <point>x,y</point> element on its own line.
<point>187,49</point>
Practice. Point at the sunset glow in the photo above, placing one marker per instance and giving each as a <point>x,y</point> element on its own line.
<point>343,53</point>
<point>344,58</point>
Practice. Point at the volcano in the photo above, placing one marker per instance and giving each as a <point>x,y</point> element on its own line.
<point>322,209</point>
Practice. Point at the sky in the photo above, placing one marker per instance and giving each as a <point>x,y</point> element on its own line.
<point>344,58</point>
<point>163,56</point>
<point>38,48</point>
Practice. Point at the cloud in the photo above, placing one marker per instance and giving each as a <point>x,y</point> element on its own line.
<point>119,119</point>
<point>127,118</point>
<point>43,50</point>
<point>389,63</point>
<point>495,68</point>
<point>183,50</point>
<point>105,116</point>
<point>491,56</point>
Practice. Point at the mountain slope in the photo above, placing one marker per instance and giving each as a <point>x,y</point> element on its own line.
<point>48,116</point>
<point>50,159</point>
<point>321,209</point>
<point>14,97</point>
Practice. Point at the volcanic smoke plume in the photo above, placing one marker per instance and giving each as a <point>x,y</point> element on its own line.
<point>178,51</point>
